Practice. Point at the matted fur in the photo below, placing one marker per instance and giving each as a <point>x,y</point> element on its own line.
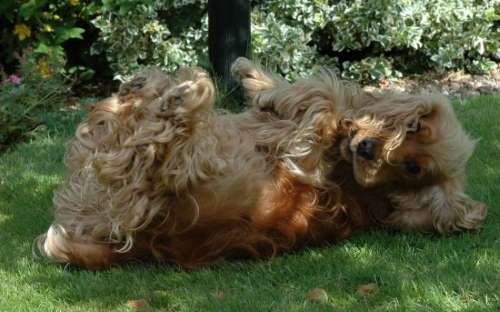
<point>155,174</point>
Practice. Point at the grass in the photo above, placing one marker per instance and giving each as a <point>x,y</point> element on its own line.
<point>413,272</point>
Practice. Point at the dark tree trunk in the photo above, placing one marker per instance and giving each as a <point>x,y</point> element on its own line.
<point>228,35</point>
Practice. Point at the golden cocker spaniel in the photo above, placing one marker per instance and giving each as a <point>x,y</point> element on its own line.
<point>155,174</point>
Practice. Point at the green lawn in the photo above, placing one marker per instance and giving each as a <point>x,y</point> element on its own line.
<point>413,272</point>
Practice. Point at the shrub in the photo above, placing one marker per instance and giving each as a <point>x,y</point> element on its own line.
<point>45,26</point>
<point>161,33</point>
<point>28,98</point>
<point>437,34</point>
<point>366,40</point>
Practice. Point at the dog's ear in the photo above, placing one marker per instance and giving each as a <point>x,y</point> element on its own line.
<point>400,108</point>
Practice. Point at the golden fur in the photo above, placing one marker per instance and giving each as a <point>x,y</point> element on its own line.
<point>421,129</point>
<point>155,174</point>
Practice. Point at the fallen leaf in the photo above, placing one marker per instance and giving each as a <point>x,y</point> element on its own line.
<point>317,294</point>
<point>219,295</point>
<point>139,305</point>
<point>367,289</point>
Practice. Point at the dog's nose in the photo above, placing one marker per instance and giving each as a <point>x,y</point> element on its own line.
<point>366,149</point>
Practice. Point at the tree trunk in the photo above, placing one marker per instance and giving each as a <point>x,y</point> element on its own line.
<point>228,35</point>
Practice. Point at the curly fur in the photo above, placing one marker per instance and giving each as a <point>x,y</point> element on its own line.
<point>432,200</point>
<point>155,174</point>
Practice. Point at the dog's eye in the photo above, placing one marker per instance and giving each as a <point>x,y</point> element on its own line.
<point>414,126</point>
<point>412,167</point>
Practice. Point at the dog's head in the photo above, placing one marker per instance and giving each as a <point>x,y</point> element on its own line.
<point>415,144</point>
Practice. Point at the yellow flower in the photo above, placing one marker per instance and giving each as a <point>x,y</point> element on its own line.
<point>48,28</point>
<point>46,14</point>
<point>56,17</point>
<point>74,2</point>
<point>43,68</point>
<point>22,31</point>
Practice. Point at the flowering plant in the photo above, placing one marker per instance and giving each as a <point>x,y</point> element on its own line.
<point>44,25</point>
<point>28,97</point>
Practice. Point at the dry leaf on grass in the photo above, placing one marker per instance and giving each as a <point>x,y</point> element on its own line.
<point>317,295</point>
<point>219,295</point>
<point>139,305</point>
<point>367,289</point>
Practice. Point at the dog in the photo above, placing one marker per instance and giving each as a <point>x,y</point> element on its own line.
<point>412,143</point>
<point>155,174</point>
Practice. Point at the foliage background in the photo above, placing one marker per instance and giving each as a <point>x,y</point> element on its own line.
<point>365,40</point>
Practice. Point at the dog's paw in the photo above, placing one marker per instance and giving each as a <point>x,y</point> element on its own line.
<point>244,68</point>
<point>178,96</point>
<point>466,214</point>
<point>145,86</point>
<point>187,97</point>
<point>132,86</point>
<point>254,81</point>
<point>474,216</point>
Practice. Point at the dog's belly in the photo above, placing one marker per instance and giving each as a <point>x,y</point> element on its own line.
<point>261,219</point>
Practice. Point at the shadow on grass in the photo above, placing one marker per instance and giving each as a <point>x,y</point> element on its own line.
<point>29,176</point>
<point>398,263</point>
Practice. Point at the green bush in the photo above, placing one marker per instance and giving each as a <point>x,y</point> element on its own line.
<point>163,33</point>
<point>27,99</point>
<point>366,40</point>
<point>44,26</point>
<point>421,34</point>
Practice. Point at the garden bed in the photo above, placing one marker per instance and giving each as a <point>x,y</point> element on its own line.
<point>457,84</point>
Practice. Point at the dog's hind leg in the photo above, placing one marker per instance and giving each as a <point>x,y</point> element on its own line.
<point>253,79</point>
